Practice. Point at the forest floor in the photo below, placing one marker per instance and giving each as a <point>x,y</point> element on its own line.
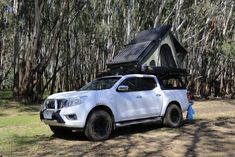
<point>212,133</point>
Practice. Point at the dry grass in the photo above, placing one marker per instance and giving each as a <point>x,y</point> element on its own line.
<point>211,134</point>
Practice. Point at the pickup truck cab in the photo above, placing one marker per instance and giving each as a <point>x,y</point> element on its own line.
<point>114,101</point>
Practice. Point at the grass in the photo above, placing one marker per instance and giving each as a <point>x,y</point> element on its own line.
<point>20,126</point>
<point>211,110</point>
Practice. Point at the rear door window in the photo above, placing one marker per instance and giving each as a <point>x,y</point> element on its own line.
<point>146,83</point>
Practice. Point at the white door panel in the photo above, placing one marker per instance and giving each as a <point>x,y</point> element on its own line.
<point>151,102</point>
<point>128,106</point>
<point>138,104</point>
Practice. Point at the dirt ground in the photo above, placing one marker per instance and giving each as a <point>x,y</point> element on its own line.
<point>212,133</point>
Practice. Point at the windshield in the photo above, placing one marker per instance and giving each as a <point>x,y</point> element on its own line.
<point>101,83</point>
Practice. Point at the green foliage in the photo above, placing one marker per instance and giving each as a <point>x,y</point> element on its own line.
<point>228,48</point>
<point>6,94</point>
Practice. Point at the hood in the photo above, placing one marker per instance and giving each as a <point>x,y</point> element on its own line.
<point>66,95</point>
<point>74,94</point>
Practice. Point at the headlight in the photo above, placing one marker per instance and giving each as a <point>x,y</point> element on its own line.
<point>75,101</point>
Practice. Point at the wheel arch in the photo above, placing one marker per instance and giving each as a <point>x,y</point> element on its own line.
<point>101,107</point>
<point>176,103</point>
<point>167,118</point>
<point>171,103</point>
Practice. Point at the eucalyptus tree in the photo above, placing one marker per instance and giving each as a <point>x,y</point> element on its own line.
<point>51,46</point>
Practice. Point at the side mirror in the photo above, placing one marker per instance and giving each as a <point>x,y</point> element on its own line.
<point>122,88</point>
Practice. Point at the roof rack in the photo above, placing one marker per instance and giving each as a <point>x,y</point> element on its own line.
<point>153,70</point>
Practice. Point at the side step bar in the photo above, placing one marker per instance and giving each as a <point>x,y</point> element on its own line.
<point>139,121</point>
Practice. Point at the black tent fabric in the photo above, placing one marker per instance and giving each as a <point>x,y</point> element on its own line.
<point>130,52</point>
<point>181,52</point>
<point>166,56</point>
<point>151,34</point>
<point>153,70</point>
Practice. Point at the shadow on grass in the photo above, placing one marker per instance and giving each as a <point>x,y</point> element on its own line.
<point>134,129</point>
<point>74,136</point>
<point>122,131</point>
<point>28,140</point>
<point>3,114</point>
<point>200,134</point>
<point>21,144</point>
<point>126,131</point>
<point>122,139</point>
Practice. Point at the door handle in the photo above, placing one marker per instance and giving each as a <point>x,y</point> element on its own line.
<point>158,94</point>
<point>139,97</point>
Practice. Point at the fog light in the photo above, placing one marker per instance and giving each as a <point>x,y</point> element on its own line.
<point>71,117</point>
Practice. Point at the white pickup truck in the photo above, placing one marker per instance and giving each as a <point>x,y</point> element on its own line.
<point>114,101</point>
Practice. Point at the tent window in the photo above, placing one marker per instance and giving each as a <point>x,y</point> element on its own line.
<point>152,63</point>
<point>166,56</point>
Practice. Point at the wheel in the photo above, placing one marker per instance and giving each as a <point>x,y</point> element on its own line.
<point>173,116</point>
<point>99,126</point>
<point>59,131</point>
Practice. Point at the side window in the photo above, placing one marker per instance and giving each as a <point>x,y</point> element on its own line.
<point>131,83</point>
<point>146,83</point>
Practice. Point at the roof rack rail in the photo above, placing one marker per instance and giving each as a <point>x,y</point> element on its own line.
<point>153,70</point>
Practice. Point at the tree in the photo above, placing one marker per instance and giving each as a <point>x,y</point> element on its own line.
<point>51,46</point>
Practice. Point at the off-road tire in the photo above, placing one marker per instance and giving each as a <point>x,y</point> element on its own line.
<point>173,116</point>
<point>60,131</point>
<point>99,126</point>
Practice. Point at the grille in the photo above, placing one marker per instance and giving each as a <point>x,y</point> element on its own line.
<point>61,103</point>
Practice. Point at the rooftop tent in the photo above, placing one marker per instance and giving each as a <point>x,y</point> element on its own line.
<point>152,47</point>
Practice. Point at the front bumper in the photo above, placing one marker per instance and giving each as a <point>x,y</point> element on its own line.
<point>58,118</point>
<point>55,117</point>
